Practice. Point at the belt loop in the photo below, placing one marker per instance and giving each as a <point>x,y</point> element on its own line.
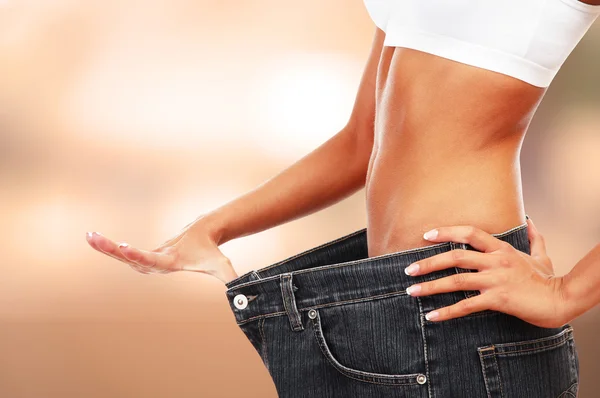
<point>289,301</point>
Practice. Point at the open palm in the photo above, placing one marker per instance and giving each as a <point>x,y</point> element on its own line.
<point>193,249</point>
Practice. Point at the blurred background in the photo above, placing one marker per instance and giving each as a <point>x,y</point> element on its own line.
<point>133,118</point>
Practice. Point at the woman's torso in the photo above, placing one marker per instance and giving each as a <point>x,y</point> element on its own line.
<point>447,141</point>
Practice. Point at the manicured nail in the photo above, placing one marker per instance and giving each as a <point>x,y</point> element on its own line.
<point>432,315</point>
<point>89,235</point>
<point>411,269</point>
<point>430,234</point>
<point>413,289</point>
<point>124,244</point>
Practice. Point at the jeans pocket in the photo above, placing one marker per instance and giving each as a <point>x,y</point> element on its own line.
<point>546,367</point>
<point>373,341</point>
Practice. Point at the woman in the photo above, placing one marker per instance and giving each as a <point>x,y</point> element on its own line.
<point>471,308</point>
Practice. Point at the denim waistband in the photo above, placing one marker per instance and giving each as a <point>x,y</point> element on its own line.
<point>336,272</point>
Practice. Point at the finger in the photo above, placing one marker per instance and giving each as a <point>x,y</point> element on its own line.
<point>146,258</point>
<point>458,257</point>
<point>536,240</point>
<point>462,308</point>
<point>453,283</point>
<point>98,242</point>
<point>474,236</point>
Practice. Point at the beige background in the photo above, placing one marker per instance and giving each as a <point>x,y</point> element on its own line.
<point>133,117</point>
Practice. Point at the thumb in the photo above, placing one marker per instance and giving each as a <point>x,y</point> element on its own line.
<point>536,240</point>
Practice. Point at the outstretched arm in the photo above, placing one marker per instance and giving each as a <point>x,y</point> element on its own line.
<point>325,176</point>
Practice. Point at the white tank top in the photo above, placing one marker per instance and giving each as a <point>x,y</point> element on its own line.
<point>526,39</point>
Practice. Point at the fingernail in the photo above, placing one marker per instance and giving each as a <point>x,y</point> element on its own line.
<point>411,269</point>
<point>124,244</point>
<point>89,235</point>
<point>430,234</point>
<point>432,315</point>
<point>413,289</point>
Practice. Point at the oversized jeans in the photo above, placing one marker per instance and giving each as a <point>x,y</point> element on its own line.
<point>332,322</point>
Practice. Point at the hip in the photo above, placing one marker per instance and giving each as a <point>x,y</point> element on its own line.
<point>333,322</point>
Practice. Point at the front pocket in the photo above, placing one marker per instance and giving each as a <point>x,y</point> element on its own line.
<point>546,367</point>
<point>367,341</point>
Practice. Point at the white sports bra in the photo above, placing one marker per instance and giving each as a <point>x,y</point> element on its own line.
<point>526,39</point>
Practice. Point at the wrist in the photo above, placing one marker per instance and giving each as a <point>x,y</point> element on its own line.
<point>569,299</point>
<point>213,226</point>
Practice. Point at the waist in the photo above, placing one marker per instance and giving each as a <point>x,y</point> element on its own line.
<point>410,191</point>
<point>340,271</point>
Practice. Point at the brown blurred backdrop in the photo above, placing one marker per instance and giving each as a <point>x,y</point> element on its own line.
<point>134,117</point>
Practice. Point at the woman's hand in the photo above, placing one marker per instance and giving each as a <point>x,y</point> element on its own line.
<point>195,248</point>
<point>509,280</point>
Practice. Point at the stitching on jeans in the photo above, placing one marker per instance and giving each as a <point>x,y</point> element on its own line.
<point>283,295</point>
<point>485,379</point>
<point>359,374</point>
<point>533,349</point>
<point>264,341</point>
<point>369,298</point>
<point>255,273</point>
<point>495,358</point>
<point>270,315</point>
<point>304,253</point>
<point>335,303</point>
<point>560,337</point>
<point>425,353</point>
<point>415,250</point>
<point>344,264</point>
<point>569,392</point>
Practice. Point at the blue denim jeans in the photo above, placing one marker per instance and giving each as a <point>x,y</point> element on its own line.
<point>333,322</point>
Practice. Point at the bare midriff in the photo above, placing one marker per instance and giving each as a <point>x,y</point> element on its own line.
<point>446,150</point>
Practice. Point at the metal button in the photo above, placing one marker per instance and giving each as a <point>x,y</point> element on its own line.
<point>240,301</point>
<point>312,314</point>
<point>421,379</point>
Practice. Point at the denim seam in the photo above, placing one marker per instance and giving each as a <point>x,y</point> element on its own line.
<point>302,254</point>
<point>560,335</point>
<point>485,379</point>
<point>270,315</point>
<point>532,350</point>
<point>306,252</point>
<point>287,260</point>
<point>425,353</point>
<point>256,274</point>
<point>495,358</point>
<point>332,304</point>
<point>264,341</point>
<point>293,314</point>
<point>369,298</point>
<point>568,392</point>
<point>355,373</point>
<point>546,342</point>
<point>344,264</point>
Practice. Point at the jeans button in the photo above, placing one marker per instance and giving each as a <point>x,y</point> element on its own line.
<point>312,314</point>
<point>240,301</point>
<point>421,379</point>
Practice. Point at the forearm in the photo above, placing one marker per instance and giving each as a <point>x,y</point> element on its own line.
<point>581,286</point>
<point>330,173</point>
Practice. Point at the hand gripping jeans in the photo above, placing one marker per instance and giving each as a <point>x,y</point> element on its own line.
<point>332,322</point>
